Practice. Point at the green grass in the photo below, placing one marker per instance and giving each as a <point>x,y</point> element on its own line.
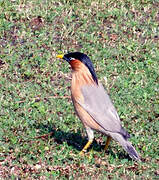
<point>122,40</point>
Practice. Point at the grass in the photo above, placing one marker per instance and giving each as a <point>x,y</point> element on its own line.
<point>121,38</point>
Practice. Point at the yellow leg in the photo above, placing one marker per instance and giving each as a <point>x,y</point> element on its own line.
<point>86,147</point>
<point>107,143</point>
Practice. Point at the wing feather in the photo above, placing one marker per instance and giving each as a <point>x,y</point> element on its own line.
<point>98,104</point>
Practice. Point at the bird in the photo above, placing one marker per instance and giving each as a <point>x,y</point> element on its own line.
<point>93,105</point>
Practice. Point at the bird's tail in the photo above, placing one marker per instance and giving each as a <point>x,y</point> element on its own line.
<point>128,147</point>
<point>131,151</point>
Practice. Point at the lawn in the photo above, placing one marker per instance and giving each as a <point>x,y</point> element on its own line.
<point>40,135</point>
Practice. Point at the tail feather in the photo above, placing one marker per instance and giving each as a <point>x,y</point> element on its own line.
<point>131,151</point>
<point>128,147</point>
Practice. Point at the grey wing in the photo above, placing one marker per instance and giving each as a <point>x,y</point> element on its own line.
<point>98,104</point>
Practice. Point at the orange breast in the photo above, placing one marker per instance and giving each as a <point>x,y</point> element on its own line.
<point>86,119</point>
<point>80,77</point>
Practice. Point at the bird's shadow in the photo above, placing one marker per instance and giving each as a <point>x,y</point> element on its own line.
<point>74,139</point>
<point>59,136</point>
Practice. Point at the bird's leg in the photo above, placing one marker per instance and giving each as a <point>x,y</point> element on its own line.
<point>90,140</point>
<point>107,143</point>
<point>86,147</point>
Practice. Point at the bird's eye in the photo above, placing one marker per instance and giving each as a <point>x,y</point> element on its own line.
<point>71,58</point>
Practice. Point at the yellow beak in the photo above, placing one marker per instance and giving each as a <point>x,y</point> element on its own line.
<point>60,56</point>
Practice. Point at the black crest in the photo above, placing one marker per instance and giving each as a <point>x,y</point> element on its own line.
<point>84,59</point>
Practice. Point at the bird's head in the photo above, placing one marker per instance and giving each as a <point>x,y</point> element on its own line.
<point>76,58</point>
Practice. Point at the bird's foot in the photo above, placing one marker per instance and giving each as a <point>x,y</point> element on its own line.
<point>86,147</point>
<point>81,153</point>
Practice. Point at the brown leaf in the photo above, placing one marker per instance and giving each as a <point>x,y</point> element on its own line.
<point>37,23</point>
<point>113,37</point>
